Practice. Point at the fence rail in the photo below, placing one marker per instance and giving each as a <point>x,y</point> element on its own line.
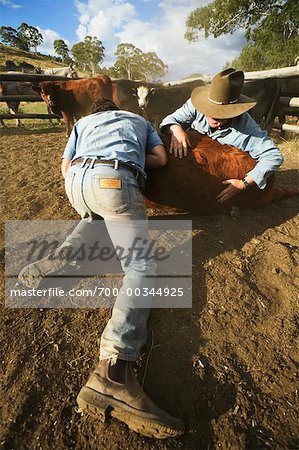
<point>288,103</point>
<point>29,116</point>
<point>30,77</point>
<point>20,98</point>
<point>21,77</point>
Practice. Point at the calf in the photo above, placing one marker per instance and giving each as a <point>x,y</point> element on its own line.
<point>125,95</point>
<point>74,98</point>
<point>193,182</point>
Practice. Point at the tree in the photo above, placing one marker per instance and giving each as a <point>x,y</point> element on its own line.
<point>152,67</point>
<point>89,53</point>
<point>271,29</point>
<point>10,36</point>
<point>61,49</point>
<point>133,64</point>
<point>127,61</point>
<point>25,37</point>
<point>30,36</point>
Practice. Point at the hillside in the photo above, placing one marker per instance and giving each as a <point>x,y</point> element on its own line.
<point>18,56</point>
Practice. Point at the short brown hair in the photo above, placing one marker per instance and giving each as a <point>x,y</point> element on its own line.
<point>102,105</point>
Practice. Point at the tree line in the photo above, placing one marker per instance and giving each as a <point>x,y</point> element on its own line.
<point>271,30</point>
<point>131,62</point>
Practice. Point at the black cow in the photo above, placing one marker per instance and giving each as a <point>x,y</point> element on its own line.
<point>125,94</point>
<point>266,93</point>
<point>159,101</point>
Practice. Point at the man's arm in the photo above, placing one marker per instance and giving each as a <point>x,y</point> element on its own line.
<point>183,116</point>
<point>156,157</point>
<point>261,148</point>
<point>65,166</point>
<point>155,151</point>
<point>175,124</point>
<point>69,151</point>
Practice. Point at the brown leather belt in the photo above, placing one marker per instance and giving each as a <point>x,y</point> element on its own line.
<point>115,163</point>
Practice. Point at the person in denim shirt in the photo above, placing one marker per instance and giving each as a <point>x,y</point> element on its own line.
<point>220,111</point>
<point>103,165</point>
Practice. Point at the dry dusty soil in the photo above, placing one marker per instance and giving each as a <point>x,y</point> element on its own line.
<point>229,366</point>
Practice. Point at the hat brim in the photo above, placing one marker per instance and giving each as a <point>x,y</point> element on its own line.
<point>200,101</point>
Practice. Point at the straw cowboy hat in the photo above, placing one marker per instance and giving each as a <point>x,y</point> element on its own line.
<point>222,99</point>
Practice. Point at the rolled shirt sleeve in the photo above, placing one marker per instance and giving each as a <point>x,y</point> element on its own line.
<point>183,116</point>
<point>268,156</point>
<point>261,148</point>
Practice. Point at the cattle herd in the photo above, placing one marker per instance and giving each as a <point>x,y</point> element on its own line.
<point>72,98</point>
<point>196,179</point>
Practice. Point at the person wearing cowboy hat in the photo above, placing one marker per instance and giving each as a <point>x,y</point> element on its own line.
<point>221,111</point>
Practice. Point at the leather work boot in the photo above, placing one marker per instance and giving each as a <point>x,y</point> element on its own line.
<point>32,274</point>
<point>123,398</point>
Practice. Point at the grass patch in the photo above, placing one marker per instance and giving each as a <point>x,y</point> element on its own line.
<point>29,108</point>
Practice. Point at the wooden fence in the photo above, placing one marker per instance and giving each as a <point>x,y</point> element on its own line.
<point>26,98</point>
<point>288,105</point>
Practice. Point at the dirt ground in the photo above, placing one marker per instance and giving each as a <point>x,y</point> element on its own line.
<point>229,366</point>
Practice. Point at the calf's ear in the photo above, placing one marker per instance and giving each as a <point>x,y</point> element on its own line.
<point>200,159</point>
<point>134,91</point>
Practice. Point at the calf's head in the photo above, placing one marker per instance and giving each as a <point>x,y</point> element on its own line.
<point>143,94</point>
<point>47,92</point>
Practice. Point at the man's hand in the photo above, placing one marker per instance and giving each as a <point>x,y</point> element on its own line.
<point>179,141</point>
<point>233,187</point>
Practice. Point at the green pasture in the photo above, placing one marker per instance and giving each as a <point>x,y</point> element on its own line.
<point>29,108</point>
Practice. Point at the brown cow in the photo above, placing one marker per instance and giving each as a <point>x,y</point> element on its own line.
<point>73,98</point>
<point>193,182</point>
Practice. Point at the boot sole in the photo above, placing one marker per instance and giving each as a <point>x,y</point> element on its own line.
<point>104,406</point>
<point>41,269</point>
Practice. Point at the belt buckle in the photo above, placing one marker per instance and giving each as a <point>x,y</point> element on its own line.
<point>116,164</point>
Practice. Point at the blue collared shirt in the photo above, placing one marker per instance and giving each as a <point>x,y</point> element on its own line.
<point>243,132</point>
<point>118,135</point>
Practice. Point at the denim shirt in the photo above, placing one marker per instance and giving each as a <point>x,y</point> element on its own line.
<point>242,132</point>
<point>118,135</point>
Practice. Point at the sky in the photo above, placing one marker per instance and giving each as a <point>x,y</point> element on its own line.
<point>151,25</point>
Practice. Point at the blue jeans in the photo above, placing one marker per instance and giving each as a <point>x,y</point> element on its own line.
<point>115,196</point>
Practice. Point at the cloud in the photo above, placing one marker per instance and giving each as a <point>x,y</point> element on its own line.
<point>10,4</point>
<point>103,18</point>
<point>49,37</point>
<point>115,21</point>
